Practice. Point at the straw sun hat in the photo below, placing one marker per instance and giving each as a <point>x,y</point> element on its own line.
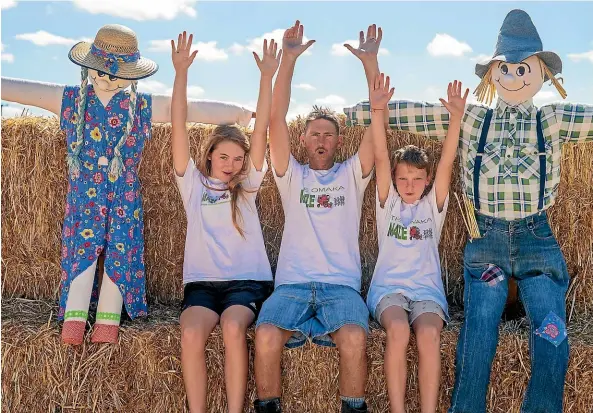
<point>115,52</point>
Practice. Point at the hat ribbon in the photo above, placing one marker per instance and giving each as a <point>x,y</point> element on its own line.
<point>112,60</point>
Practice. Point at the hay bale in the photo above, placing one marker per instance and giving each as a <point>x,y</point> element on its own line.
<point>34,187</point>
<point>143,371</point>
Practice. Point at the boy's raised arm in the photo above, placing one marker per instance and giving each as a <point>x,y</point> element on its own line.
<point>380,94</point>
<point>456,107</point>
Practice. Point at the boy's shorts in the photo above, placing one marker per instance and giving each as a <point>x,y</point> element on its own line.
<point>220,295</point>
<point>413,308</point>
<point>314,310</point>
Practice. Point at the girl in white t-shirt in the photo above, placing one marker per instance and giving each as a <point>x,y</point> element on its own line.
<point>226,272</point>
<point>406,288</point>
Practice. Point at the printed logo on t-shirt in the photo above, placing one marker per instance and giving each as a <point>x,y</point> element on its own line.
<point>418,230</point>
<point>208,199</point>
<point>323,197</point>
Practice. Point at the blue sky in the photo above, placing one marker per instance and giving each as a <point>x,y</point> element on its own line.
<point>426,44</point>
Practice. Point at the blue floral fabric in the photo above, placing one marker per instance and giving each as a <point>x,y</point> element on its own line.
<point>104,214</point>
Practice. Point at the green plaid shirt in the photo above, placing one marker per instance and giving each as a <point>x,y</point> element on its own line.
<point>509,178</point>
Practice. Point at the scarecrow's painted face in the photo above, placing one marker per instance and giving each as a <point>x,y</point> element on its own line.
<point>107,83</point>
<point>516,83</point>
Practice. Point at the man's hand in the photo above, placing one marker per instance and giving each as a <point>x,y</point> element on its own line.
<point>180,56</point>
<point>292,42</point>
<point>368,48</point>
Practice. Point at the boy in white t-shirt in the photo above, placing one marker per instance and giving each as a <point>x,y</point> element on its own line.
<point>318,275</point>
<point>406,288</point>
<point>226,272</point>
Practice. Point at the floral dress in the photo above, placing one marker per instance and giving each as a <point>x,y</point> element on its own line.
<point>103,215</point>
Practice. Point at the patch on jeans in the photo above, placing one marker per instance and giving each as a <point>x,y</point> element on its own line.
<point>493,275</point>
<point>552,329</point>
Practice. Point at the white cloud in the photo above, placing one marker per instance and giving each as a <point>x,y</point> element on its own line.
<point>543,97</point>
<point>446,45</point>
<point>331,100</point>
<point>302,109</point>
<point>139,9</point>
<point>192,92</point>
<point>305,86</point>
<point>236,49</point>
<point>577,57</point>
<point>43,38</point>
<point>206,50</point>
<point>7,4</point>
<point>338,49</point>
<point>480,58</point>
<point>152,86</point>
<point>159,88</point>
<point>6,57</point>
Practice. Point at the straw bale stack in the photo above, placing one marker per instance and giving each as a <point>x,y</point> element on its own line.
<point>33,195</point>
<point>142,373</point>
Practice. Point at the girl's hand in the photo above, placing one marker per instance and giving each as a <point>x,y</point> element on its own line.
<point>180,55</point>
<point>270,61</point>
<point>380,93</point>
<point>456,103</point>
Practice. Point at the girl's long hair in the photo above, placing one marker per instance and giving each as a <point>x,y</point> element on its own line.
<point>234,186</point>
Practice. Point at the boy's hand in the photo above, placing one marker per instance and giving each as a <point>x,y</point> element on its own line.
<point>367,48</point>
<point>292,42</point>
<point>270,61</point>
<point>380,93</point>
<point>456,103</point>
<point>180,55</point>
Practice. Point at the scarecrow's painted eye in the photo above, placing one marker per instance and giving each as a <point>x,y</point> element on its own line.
<point>101,74</point>
<point>520,70</point>
<point>112,78</point>
<point>504,69</point>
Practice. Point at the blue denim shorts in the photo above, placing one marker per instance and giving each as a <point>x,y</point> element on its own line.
<point>313,310</point>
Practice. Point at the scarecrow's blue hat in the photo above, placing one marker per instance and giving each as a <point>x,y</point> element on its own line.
<point>517,40</point>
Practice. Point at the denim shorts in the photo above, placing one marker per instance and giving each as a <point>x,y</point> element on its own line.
<point>220,295</point>
<point>314,310</point>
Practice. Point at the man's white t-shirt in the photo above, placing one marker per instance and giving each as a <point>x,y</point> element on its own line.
<point>408,261</point>
<point>214,249</point>
<point>322,210</point>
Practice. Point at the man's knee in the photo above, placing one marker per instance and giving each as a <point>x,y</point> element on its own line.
<point>269,339</point>
<point>351,341</point>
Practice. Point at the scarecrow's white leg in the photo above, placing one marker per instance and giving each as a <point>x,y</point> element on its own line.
<point>108,312</point>
<point>77,306</point>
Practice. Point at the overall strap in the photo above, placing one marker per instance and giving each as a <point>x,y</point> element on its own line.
<point>478,160</point>
<point>541,148</point>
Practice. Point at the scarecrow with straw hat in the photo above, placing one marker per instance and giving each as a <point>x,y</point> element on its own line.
<point>510,168</point>
<point>107,123</point>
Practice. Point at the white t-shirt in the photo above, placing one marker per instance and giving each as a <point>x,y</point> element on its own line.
<point>322,211</point>
<point>214,249</point>
<point>408,261</point>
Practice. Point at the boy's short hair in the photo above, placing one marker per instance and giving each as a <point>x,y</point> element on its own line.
<point>414,156</point>
<point>319,112</point>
